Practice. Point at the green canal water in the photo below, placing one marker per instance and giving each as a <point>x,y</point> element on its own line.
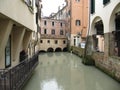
<point>64,71</point>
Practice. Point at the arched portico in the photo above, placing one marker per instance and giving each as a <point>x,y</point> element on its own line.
<point>50,49</point>
<point>97,32</point>
<point>65,49</point>
<point>42,51</point>
<point>58,49</point>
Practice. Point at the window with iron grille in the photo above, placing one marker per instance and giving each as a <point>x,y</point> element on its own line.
<point>61,24</point>
<point>56,41</point>
<point>53,31</point>
<point>48,41</point>
<point>52,23</point>
<point>41,41</point>
<point>61,32</point>
<point>64,42</point>
<point>78,22</point>
<point>45,22</point>
<point>45,31</point>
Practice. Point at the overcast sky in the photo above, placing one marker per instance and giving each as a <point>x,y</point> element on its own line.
<point>50,6</point>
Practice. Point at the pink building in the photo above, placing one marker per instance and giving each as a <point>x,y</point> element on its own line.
<point>53,35</point>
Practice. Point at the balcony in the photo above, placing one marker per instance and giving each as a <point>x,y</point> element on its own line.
<point>15,78</point>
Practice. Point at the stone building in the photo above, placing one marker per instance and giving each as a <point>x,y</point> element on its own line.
<point>52,35</point>
<point>79,21</point>
<point>17,23</point>
<point>19,26</point>
<point>103,36</point>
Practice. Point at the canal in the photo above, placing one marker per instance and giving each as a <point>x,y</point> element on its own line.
<point>64,71</point>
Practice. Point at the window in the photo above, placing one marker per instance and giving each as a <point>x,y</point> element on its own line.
<point>56,41</point>
<point>52,23</point>
<point>41,41</point>
<point>77,0</point>
<point>61,24</point>
<point>53,31</point>
<point>61,32</point>
<point>45,22</point>
<point>105,1</point>
<point>92,6</point>
<point>48,41</point>
<point>69,12</point>
<point>8,53</point>
<point>45,31</point>
<point>78,22</point>
<point>36,18</point>
<point>64,42</point>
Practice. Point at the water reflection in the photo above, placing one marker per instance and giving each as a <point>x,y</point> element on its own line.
<point>64,71</point>
<point>50,85</point>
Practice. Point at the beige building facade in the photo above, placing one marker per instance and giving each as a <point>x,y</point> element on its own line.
<point>17,23</point>
<point>52,35</point>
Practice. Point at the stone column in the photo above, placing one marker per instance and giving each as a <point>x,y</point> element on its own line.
<point>17,39</point>
<point>26,39</point>
<point>106,46</point>
<point>5,30</point>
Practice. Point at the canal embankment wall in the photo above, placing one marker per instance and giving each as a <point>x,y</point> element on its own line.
<point>102,60</point>
<point>105,61</point>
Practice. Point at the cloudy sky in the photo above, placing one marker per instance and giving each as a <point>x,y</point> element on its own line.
<point>50,6</point>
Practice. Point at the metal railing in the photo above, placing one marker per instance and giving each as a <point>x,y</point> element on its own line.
<point>14,78</point>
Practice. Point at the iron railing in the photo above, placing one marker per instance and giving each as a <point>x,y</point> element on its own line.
<point>14,78</point>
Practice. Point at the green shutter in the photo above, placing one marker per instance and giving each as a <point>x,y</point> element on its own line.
<point>92,6</point>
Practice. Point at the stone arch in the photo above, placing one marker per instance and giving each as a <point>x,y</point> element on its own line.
<point>50,49</point>
<point>42,51</point>
<point>65,49</point>
<point>97,32</point>
<point>115,10</point>
<point>58,49</point>
<point>95,20</point>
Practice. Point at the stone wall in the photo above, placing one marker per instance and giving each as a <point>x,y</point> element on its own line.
<point>107,61</point>
<point>78,51</point>
<point>110,66</point>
